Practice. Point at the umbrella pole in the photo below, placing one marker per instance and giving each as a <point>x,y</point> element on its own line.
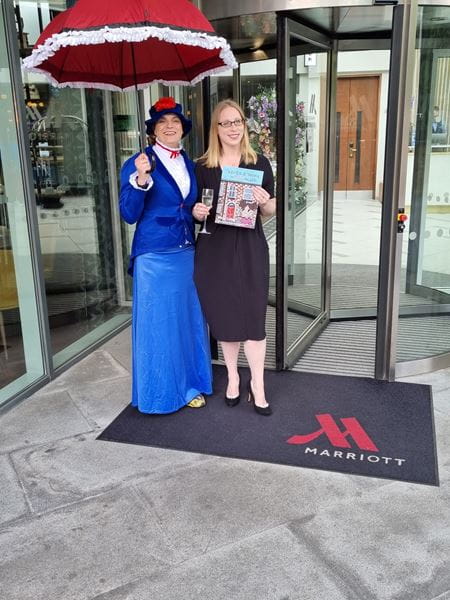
<point>140,128</point>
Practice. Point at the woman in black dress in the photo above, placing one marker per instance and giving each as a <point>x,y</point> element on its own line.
<point>232,264</point>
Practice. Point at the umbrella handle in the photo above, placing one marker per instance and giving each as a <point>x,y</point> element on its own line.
<point>152,164</point>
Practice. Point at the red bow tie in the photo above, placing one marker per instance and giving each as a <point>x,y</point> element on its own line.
<point>173,153</point>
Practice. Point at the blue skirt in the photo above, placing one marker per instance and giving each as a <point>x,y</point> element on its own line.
<point>171,358</point>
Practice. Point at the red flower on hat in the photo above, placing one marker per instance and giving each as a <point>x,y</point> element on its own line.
<point>165,103</point>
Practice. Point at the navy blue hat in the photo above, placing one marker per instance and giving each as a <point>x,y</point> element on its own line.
<point>167,106</point>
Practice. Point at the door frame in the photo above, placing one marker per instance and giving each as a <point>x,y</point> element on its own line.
<point>287,355</point>
<point>395,165</point>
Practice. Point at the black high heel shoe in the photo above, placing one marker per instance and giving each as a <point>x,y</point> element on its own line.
<point>232,401</point>
<point>261,410</point>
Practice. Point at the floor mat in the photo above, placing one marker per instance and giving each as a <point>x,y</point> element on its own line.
<point>351,425</point>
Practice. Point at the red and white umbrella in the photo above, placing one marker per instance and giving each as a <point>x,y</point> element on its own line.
<point>125,44</point>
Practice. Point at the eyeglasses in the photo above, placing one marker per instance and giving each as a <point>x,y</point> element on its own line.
<point>236,123</point>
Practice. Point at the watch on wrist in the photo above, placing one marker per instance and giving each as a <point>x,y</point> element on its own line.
<point>143,187</point>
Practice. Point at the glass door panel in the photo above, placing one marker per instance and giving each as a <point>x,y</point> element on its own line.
<point>21,360</point>
<point>221,88</point>
<point>424,324</point>
<point>126,143</point>
<point>361,109</point>
<point>307,90</point>
<point>258,97</point>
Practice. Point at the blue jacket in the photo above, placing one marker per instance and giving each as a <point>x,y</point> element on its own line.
<point>164,219</point>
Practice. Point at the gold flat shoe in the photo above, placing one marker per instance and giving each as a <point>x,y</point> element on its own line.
<point>197,402</point>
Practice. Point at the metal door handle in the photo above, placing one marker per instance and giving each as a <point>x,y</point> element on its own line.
<point>352,149</point>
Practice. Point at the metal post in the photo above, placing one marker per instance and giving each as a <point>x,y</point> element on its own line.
<point>395,165</point>
<point>281,291</point>
<point>330,176</point>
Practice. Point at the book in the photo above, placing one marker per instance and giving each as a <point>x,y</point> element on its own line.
<point>236,205</point>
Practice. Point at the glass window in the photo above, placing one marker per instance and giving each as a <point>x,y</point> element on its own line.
<point>259,101</point>
<point>221,87</point>
<point>424,325</point>
<point>126,144</point>
<point>189,97</point>
<point>75,200</point>
<point>258,92</point>
<point>20,345</point>
<point>306,104</point>
<point>361,108</point>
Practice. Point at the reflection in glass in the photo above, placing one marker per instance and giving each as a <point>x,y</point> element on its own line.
<point>307,114</point>
<point>258,93</point>
<point>221,88</point>
<point>190,99</point>
<point>12,358</point>
<point>68,149</point>
<point>424,330</point>
<point>361,108</point>
<point>258,81</point>
<point>20,343</point>
<point>126,144</point>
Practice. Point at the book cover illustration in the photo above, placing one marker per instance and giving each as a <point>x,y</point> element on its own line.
<point>235,204</point>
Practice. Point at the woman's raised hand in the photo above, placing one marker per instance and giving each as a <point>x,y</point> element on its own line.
<point>142,165</point>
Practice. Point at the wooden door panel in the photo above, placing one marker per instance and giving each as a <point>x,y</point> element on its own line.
<point>363,126</point>
<point>356,133</point>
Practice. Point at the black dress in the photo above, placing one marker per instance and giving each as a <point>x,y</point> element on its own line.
<point>232,267</point>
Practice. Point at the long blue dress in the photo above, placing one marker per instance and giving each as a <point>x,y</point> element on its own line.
<point>170,346</point>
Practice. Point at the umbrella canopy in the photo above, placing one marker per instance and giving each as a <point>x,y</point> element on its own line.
<point>123,44</point>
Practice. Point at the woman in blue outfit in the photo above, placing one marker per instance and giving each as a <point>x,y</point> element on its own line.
<point>171,360</point>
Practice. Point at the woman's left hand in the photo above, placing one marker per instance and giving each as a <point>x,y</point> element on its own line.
<point>265,203</point>
<point>261,196</point>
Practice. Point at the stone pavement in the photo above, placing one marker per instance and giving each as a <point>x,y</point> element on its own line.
<point>88,520</point>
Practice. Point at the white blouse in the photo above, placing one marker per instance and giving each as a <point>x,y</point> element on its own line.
<point>175,166</point>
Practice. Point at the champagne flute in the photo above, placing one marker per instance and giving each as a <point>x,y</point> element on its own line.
<point>207,200</point>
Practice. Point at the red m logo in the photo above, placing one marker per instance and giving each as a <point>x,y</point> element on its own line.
<point>337,437</point>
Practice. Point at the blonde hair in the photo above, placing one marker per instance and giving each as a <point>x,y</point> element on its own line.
<point>212,155</point>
